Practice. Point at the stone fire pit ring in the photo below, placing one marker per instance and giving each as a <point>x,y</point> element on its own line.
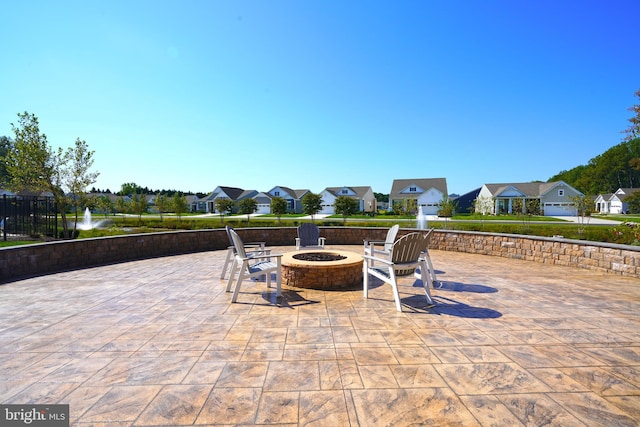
<point>321,270</point>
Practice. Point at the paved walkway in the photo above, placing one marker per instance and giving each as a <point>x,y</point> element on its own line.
<point>590,221</point>
<point>157,342</point>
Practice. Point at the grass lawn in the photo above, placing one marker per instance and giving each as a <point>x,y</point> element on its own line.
<point>619,217</point>
<point>8,243</point>
<point>508,224</point>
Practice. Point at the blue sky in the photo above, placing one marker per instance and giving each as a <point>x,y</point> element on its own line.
<point>189,95</point>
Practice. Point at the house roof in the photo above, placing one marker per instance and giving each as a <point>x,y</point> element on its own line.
<point>622,193</point>
<point>232,192</point>
<point>465,201</point>
<point>529,189</point>
<point>360,191</point>
<point>606,196</point>
<point>439,184</point>
<point>247,193</point>
<point>296,194</point>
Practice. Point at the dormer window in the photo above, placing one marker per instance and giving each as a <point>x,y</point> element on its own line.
<point>345,191</point>
<point>412,189</point>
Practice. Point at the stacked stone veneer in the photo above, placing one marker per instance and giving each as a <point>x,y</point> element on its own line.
<point>44,258</point>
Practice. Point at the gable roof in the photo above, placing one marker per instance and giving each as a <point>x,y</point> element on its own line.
<point>360,192</point>
<point>465,201</point>
<point>529,189</point>
<point>247,193</point>
<point>439,184</point>
<point>232,192</point>
<point>606,196</point>
<point>296,194</point>
<point>623,193</point>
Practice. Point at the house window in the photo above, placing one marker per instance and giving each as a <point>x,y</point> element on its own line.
<point>345,191</point>
<point>412,189</point>
<point>561,193</point>
<point>276,193</point>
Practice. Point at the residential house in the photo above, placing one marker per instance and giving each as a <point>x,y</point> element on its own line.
<point>220,192</point>
<point>364,196</point>
<point>603,203</point>
<point>426,193</point>
<point>551,198</point>
<point>263,200</point>
<point>465,202</point>
<point>293,197</point>
<point>192,202</point>
<point>615,202</point>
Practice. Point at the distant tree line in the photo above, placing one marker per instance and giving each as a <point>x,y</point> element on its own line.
<point>618,167</point>
<point>130,188</point>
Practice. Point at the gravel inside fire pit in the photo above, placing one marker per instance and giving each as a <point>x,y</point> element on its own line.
<point>319,256</point>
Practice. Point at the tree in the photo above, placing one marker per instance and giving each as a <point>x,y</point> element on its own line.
<point>311,204</point>
<point>633,202</point>
<point>105,205</point>
<point>483,205</point>
<point>247,206</point>
<point>138,205</point>
<point>584,206</point>
<point>605,173</point>
<point>122,205</point>
<point>278,206</point>
<point>32,165</point>
<point>447,208</point>
<point>6,145</point>
<point>163,204</point>
<point>179,204</point>
<point>633,131</point>
<point>129,188</point>
<point>345,206</point>
<point>411,207</point>
<point>380,197</point>
<point>224,205</point>
<point>76,174</point>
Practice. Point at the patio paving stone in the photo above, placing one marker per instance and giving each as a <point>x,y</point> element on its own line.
<point>157,342</point>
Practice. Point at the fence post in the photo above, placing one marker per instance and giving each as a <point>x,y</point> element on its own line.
<point>4,211</point>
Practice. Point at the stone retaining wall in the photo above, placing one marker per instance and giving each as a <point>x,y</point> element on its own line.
<point>46,258</point>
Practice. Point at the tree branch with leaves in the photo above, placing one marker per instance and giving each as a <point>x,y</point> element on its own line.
<point>31,164</point>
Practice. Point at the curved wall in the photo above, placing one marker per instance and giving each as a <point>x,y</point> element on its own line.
<point>45,258</point>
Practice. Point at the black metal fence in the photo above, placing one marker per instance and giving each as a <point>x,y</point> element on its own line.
<point>27,217</point>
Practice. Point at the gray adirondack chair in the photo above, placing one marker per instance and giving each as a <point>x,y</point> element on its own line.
<point>404,257</point>
<point>309,236</point>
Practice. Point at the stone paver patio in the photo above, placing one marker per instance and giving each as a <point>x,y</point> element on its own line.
<point>157,342</point>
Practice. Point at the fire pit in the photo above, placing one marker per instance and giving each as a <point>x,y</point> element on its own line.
<point>322,269</point>
<point>319,256</point>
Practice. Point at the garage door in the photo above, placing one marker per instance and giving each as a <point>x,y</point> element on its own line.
<point>559,209</point>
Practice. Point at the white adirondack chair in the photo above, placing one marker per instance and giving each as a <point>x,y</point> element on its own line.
<point>255,248</point>
<point>383,247</point>
<point>252,267</point>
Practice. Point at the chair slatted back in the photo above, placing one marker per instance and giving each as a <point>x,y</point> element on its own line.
<point>406,251</point>
<point>229,230</point>
<point>308,234</point>
<point>237,243</point>
<point>391,237</point>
